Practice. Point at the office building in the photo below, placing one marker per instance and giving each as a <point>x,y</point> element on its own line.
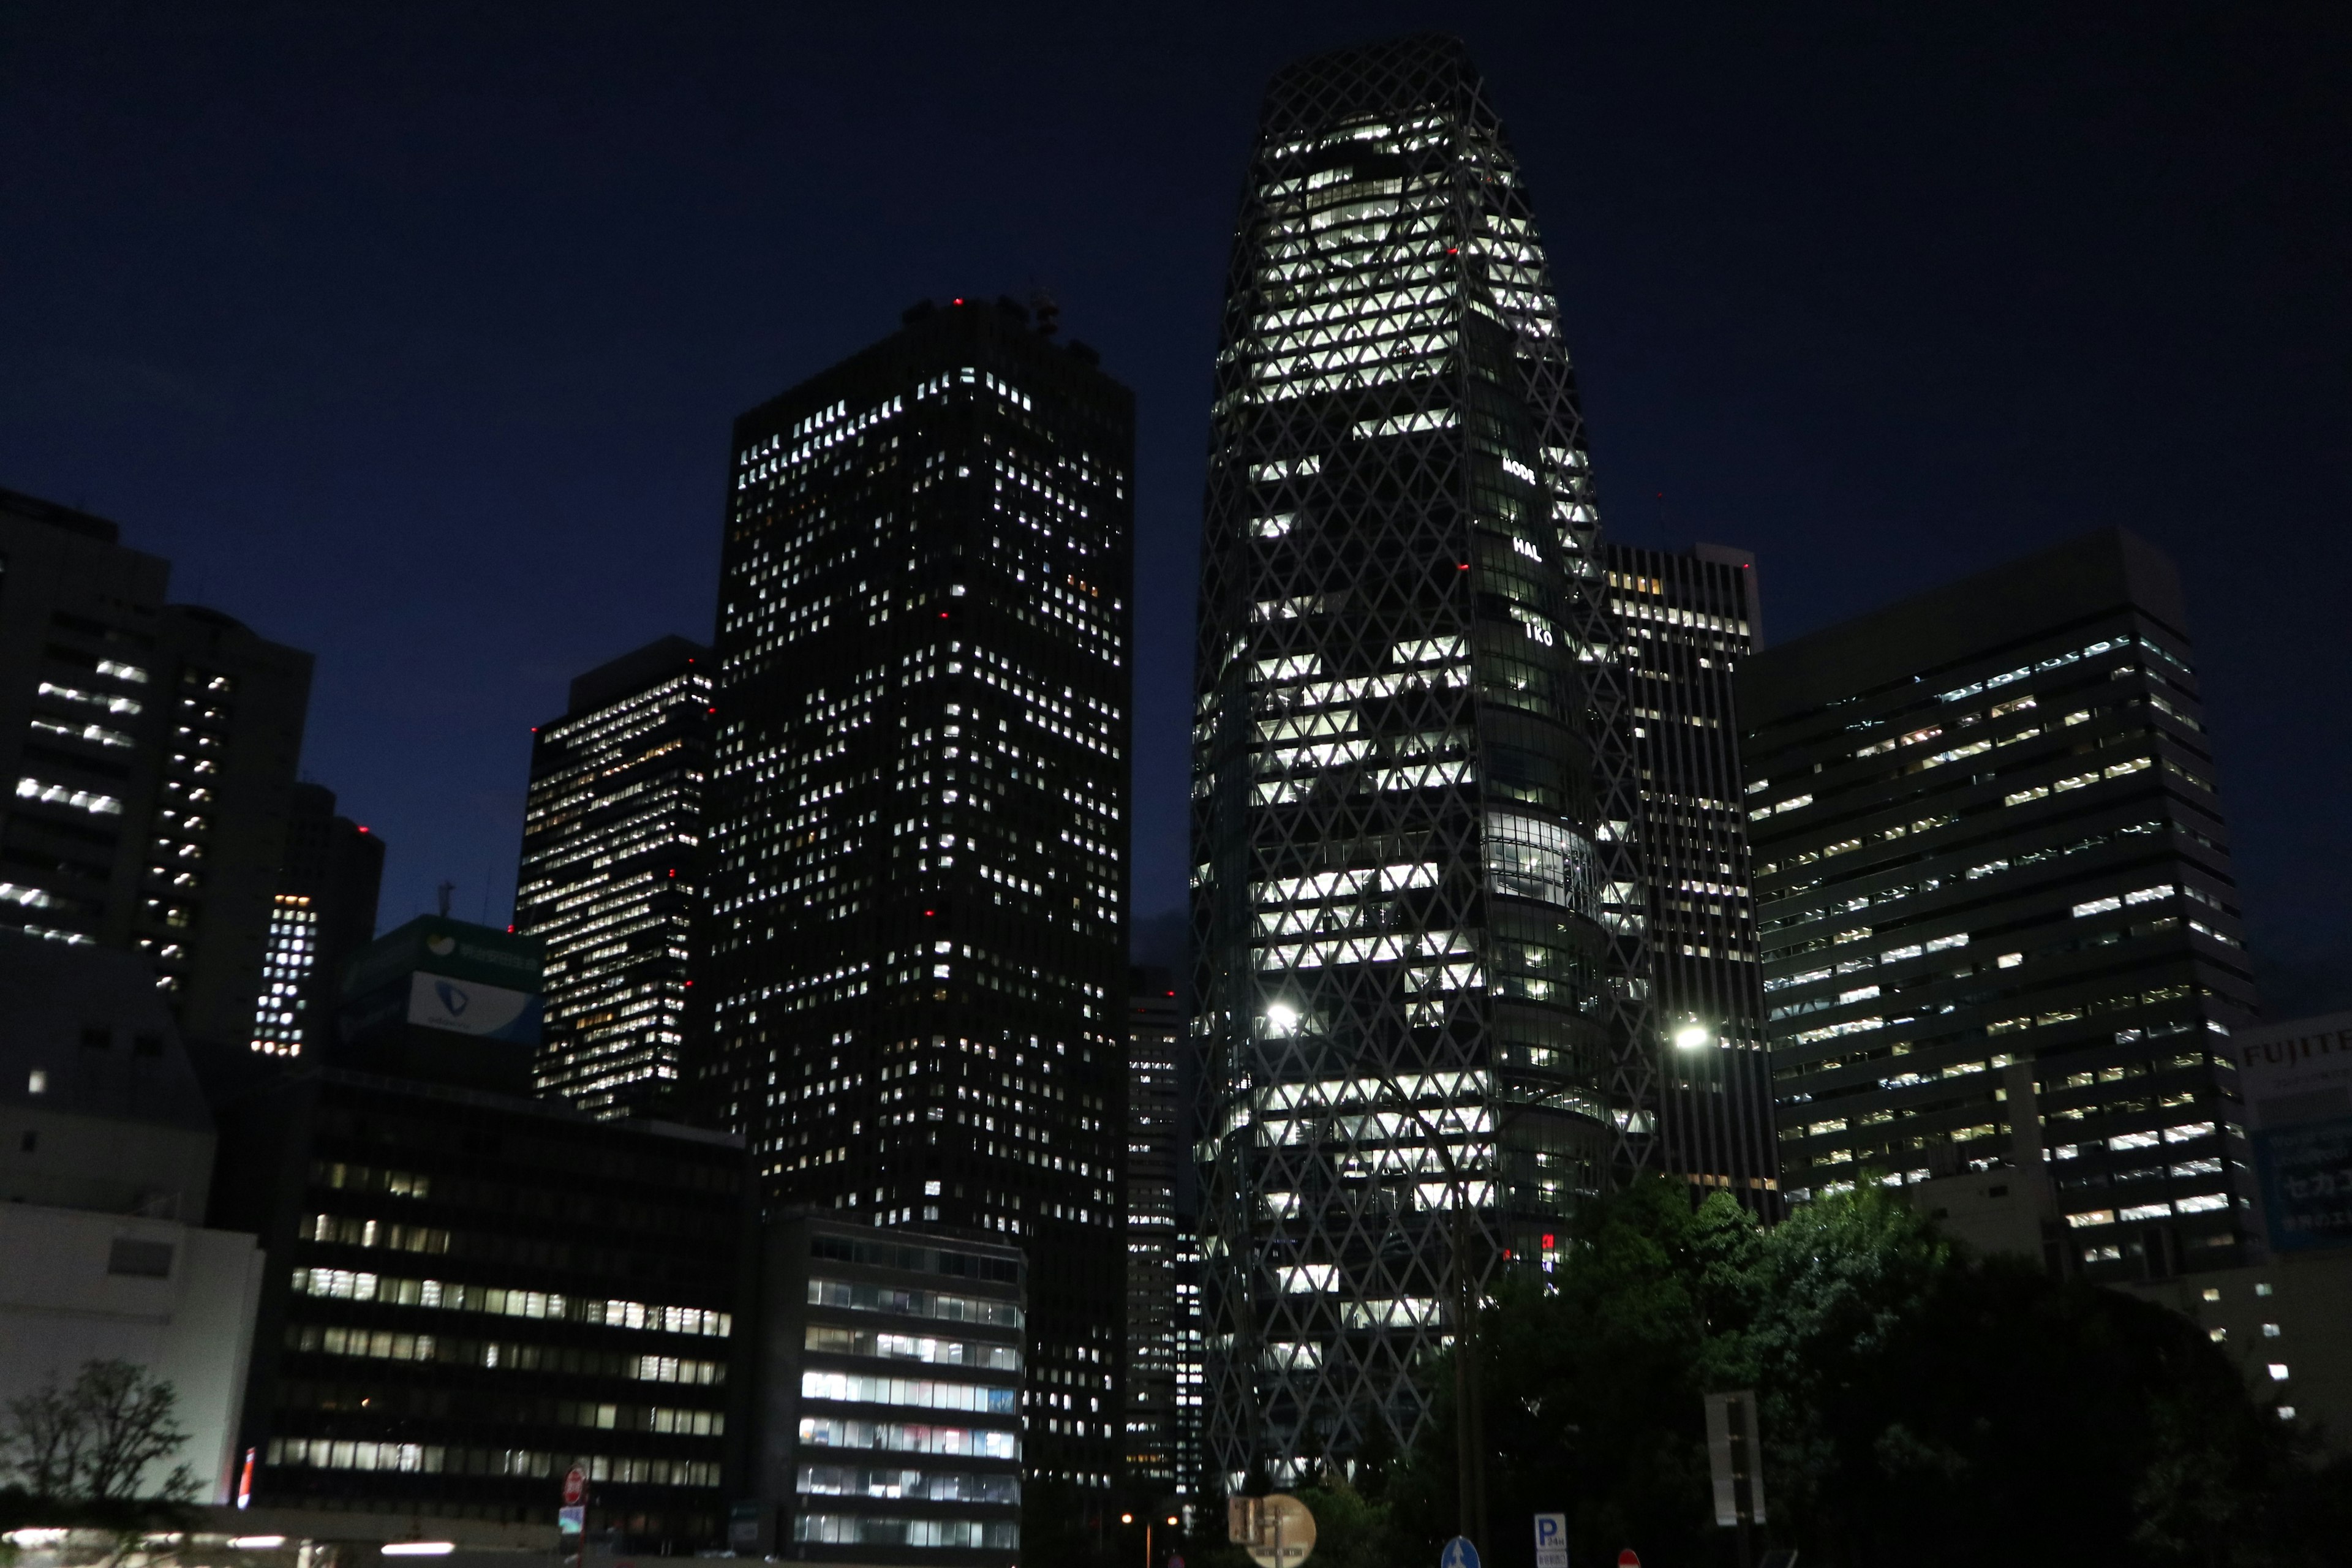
<point>913,971</point>
<point>1155,1154</point>
<point>151,750</point>
<point>322,914</point>
<point>1686,620</point>
<point>889,1396</point>
<point>469,1292</point>
<point>444,1000</point>
<point>1987,840</point>
<point>105,1161</point>
<point>1417,905</point>
<point>610,867</point>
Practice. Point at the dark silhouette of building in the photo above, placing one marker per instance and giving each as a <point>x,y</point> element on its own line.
<point>1418,913</point>
<point>469,1292</point>
<point>323,913</point>
<point>446,1000</point>
<point>912,971</point>
<point>150,749</point>
<point>1994,879</point>
<point>1687,620</point>
<point>611,873</point>
<point>1155,1235</point>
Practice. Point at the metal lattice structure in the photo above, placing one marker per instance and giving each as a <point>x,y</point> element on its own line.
<point>1417,903</point>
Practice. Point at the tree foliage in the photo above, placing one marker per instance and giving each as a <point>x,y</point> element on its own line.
<point>1920,1406</point>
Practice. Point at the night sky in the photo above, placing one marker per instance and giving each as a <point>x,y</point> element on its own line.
<point>413,335</point>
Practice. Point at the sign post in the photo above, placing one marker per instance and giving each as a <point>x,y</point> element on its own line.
<point>1278,1531</point>
<point>571,1519</point>
<point>1735,1459</point>
<point>1458,1554</point>
<point>1551,1540</point>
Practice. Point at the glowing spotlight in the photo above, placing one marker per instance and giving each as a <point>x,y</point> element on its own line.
<point>1281,1017</point>
<point>1692,1036</point>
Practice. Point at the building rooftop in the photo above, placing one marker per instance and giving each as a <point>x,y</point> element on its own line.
<point>83,1029</point>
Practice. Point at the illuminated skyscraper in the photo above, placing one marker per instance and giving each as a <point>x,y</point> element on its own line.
<point>1416,905</point>
<point>147,753</point>
<point>1155,1149</point>
<point>1999,919</point>
<point>914,970</point>
<point>1689,618</point>
<point>324,911</point>
<point>611,856</point>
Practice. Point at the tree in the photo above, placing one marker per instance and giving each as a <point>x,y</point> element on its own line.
<point>1918,1406</point>
<point>90,1446</point>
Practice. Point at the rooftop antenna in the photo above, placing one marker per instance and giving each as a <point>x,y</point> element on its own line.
<point>445,891</point>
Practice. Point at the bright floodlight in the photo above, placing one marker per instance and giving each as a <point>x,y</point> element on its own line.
<point>1282,1015</point>
<point>1692,1036</point>
<point>419,1548</point>
<point>256,1542</point>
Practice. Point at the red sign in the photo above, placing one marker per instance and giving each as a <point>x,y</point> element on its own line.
<point>575,1487</point>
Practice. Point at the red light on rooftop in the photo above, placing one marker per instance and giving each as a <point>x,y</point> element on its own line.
<point>362,827</point>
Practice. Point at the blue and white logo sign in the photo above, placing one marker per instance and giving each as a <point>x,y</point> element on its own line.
<point>1458,1554</point>
<point>466,1008</point>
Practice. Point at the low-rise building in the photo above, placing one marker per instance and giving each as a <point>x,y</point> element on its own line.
<point>890,1396</point>
<point>470,1293</point>
<point>106,1157</point>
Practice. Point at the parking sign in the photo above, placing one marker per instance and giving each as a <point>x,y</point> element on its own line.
<point>1551,1540</point>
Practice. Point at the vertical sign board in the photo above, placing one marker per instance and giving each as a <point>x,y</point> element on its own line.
<point>1551,1540</point>
<point>1735,1458</point>
<point>1278,1531</point>
<point>2296,1079</point>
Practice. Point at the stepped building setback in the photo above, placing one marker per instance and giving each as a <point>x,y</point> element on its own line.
<point>148,751</point>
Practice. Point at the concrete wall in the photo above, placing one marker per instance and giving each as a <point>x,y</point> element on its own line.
<point>69,1295</point>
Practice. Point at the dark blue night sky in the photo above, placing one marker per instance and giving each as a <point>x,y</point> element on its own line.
<point>413,334</point>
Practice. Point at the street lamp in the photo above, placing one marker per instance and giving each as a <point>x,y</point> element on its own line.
<point>1130,1518</point>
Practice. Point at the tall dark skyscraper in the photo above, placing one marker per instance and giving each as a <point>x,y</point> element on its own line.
<point>323,913</point>
<point>914,969</point>
<point>1417,896</point>
<point>612,861</point>
<point>151,751</point>
<point>1155,1154</point>
<point>1688,619</point>
<point>1994,885</point>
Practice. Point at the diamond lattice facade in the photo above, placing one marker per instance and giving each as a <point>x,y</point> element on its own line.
<point>1416,900</point>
